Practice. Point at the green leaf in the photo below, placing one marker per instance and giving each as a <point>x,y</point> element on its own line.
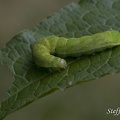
<point>75,20</point>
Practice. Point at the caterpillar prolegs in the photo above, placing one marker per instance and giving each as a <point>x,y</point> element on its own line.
<point>50,51</point>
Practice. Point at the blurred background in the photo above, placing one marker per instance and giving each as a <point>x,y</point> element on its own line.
<point>87,101</point>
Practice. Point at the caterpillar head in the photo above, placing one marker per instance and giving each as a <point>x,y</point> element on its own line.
<point>62,63</point>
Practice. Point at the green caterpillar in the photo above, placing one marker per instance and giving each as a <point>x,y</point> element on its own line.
<point>44,49</point>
